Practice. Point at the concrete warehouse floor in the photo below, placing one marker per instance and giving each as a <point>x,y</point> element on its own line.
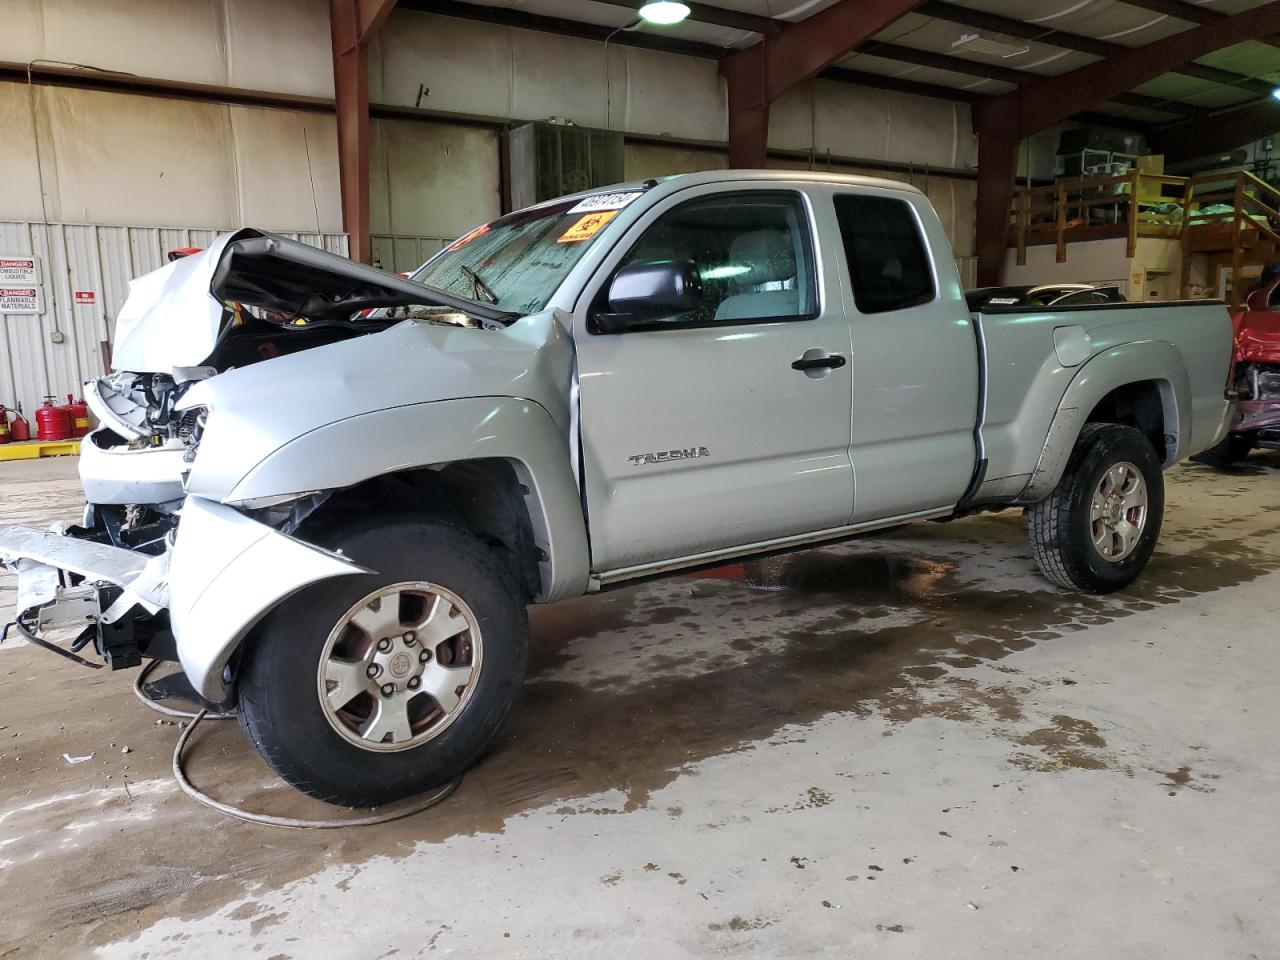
<point>911,747</point>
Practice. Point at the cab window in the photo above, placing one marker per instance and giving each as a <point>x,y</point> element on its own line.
<point>750,251</point>
<point>887,258</point>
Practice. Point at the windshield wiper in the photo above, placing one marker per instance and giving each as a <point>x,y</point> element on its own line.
<point>478,287</point>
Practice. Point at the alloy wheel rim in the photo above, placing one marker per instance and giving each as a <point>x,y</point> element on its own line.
<point>1118,511</point>
<point>400,666</point>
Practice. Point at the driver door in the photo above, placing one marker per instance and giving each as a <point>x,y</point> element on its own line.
<point>727,425</point>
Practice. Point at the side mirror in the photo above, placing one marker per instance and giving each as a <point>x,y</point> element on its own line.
<point>642,293</point>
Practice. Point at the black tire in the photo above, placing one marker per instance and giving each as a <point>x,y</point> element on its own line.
<point>279,703</point>
<point>1058,527</point>
<point>1232,448</point>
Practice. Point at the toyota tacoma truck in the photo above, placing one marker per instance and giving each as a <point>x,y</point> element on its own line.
<point>330,493</point>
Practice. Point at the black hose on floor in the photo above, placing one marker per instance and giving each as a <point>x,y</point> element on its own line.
<point>406,808</point>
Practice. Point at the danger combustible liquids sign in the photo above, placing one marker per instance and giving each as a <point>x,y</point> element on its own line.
<point>20,284</point>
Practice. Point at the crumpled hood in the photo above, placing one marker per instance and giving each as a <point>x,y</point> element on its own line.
<point>254,411</point>
<point>173,316</point>
<point>169,319</point>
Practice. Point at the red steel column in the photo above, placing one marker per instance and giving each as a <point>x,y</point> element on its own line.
<point>352,24</point>
<point>998,140</point>
<point>748,109</point>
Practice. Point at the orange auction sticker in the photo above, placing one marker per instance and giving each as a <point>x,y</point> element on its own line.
<point>587,227</point>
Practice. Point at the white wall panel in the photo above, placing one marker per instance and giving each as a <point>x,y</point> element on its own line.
<point>99,259</point>
<point>112,158</point>
<point>463,67</point>
<point>431,179</point>
<point>791,120</point>
<point>151,37</point>
<point>885,125</point>
<point>20,195</point>
<point>668,95</point>
<point>644,160</point>
<point>122,158</point>
<point>559,77</point>
<point>287,167</point>
<point>280,45</point>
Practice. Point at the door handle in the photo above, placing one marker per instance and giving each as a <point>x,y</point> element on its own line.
<point>830,361</point>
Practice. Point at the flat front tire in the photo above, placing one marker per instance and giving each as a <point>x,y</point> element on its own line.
<point>1096,531</point>
<point>370,688</point>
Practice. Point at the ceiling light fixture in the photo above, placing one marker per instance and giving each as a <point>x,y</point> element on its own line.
<point>664,12</point>
<point>996,48</point>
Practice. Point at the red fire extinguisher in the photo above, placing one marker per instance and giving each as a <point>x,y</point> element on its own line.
<point>19,429</point>
<point>4,425</point>
<point>52,422</point>
<point>77,416</point>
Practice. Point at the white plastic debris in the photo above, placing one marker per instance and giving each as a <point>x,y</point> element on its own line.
<point>74,760</point>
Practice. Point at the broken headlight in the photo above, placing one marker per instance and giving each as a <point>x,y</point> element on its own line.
<point>190,428</point>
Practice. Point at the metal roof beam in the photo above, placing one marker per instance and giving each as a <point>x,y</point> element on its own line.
<point>941,61</point>
<point>1231,128</point>
<point>981,20</point>
<point>996,23</point>
<point>1051,100</point>
<point>1192,13</point>
<point>1179,9</point>
<point>971,68</point>
<point>510,17</point>
<point>759,75</point>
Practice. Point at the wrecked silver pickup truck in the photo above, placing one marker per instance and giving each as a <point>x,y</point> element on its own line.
<point>330,493</point>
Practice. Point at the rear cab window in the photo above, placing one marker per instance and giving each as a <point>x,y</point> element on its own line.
<point>888,261</point>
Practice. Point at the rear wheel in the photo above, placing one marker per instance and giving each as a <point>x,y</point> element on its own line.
<point>371,688</point>
<point>1099,526</point>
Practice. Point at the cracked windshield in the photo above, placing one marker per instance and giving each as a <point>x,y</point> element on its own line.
<point>517,262</point>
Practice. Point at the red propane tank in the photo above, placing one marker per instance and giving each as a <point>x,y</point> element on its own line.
<point>4,425</point>
<point>77,416</point>
<point>19,429</point>
<point>52,422</point>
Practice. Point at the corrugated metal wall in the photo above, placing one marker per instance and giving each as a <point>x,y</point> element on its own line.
<point>403,254</point>
<point>56,351</point>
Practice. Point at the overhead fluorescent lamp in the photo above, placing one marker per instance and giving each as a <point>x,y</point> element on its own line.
<point>664,12</point>
<point>976,43</point>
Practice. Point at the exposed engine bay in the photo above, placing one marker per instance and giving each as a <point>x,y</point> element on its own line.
<point>266,297</point>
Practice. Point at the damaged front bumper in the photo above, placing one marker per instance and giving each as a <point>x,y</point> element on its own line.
<point>219,575</point>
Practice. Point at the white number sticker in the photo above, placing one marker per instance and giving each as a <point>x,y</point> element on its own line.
<point>603,201</point>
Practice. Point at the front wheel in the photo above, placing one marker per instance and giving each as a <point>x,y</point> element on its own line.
<point>370,688</point>
<point>1097,529</point>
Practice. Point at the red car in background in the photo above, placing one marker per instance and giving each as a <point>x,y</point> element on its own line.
<point>1255,375</point>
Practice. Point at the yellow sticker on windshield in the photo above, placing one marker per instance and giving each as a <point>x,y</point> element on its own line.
<point>587,227</point>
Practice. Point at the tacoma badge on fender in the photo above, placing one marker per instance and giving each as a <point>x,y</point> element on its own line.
<point>662,456</point>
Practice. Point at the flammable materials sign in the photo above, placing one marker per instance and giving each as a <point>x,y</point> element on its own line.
<point>20,283</point>
<point>20,300</point>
